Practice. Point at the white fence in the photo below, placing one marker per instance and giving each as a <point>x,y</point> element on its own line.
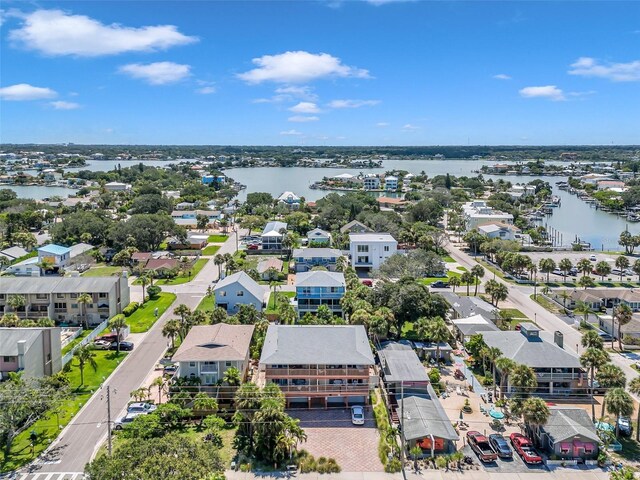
<point>89,338</point>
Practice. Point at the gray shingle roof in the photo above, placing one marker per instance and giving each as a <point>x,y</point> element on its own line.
<point>320,278</point>
<point>34,285</point>
<point>401,364</point>
<point>274,227</point>
<point>317,253</point>
<point>9,338</point>
<point>423,415</point>
<point>354,224</point>
<point>316,345</point>
<point>467,306</point>
<point>215,342</point>
<point>14,252</point>
<point>248,283</point>
<point>566,423</point>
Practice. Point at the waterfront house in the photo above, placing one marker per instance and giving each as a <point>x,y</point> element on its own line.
<point>208,351</point>
<point>189,218</point>
<point>558,371</point>
<point>318,237</point>
<point>307,258</point>
<point>354,226</point>
<point>239,289</point>
<point>569,434</point>
<point>478,213</point>
<point>370,250</point>
<point>390,183</point>
<point>34,352</point>
<point>272,235</point>
<point>319,288</point>
<point>56,297</point>
<point>117,187</point>
<point>371,182</point>
<point>267,266</point>
<point>290,199</point>
<point>503,231</point>
<point>318,365</point>
<point>519,191</point>
<point>211,179</point>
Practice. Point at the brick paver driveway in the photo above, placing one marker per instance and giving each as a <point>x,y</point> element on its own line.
<point>331,434</point>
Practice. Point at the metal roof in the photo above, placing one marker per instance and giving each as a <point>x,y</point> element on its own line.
<point>320,278</point>
<point>316,253</point>
<point>54,249</point>
<point>401,364</point>
<point>371,237</point>
<point>423,415</point>
<point>35,285</point>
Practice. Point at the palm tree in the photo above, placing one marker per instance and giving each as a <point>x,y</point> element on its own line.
<point>636,269</point>
<point>454,282</point>
<point>610,376</point>
<point>591,339</point>
<point>118,323</point>
<point>634,387</point>
<point>85,356</point>
<point>619,403</point>
<point>218,260</point>
<point>467,278</point>
<point>505,365</point>
<point>438,332</point>
<point>16,302</point>
<point>584,266</point>
<point>161,384</point>
<point>547,265</point>
<point>602,269</point>
<point>565,266</point>
<point>592,359</point>
<point>586,282</point>
<point>535,414</point>
<point>82,300</point>
<point>144,281</point>
<point>622,263</point>
<point>183,312</point>
<point>478,272</point>
<point>499,293</point>
<point>231,376</point>
<point>585,310</point>
<point>524,380</point>
<point>492,354</point>
<point>171,329</point>
<point>622,315</point>
<point>565,295</point>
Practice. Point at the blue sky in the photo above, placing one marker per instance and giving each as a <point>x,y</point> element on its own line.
<point>320,72</point>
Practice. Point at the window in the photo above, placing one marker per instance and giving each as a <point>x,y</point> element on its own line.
<point>74,295</point>
<point>1,296</point>
<point>192,364</point>
<point>61,305</point>
<point>227,364</point>
<point>363,249</point>
<point>240,293</point>
<point>9,359</point>
<point>41,296</point>
<point>74,305</point>
<point>102,295</point>
<point>59,295</point>
<point>222,293</point>
<point>386,248</point>
<point>363,259</point>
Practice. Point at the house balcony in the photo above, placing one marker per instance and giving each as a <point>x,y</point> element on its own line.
<point>336,390</point>
<point>558,377</point>
<point>316,372</point>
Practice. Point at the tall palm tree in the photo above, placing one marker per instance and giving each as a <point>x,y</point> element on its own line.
<point>584,266</point>
<point>535,414</point>
<point>171,329</point>
<point>623,315</point>
<point>565,266</point>
<point>610,376</point>
<point>565,295</point>
<point>161,384</point>
<point>634,387</point>
<point>218,260</point>
<point>438,332</point>
<point>467,278</point>
<point>619,403</point>
<point>592,359</point>
<point>183,312</point>
<point>83,299</point>
<point>622,263</point>
<point>85,356</point>
<point>144,281</point>
<point>524,380</point>
<point>492,354</point>
<point>454,282</point>
<point>505,365</point>
<point>478,272</point>
<point>118,323</point>
<point>547,265</point>
<point>585,310</point>
<point>499,293</point>
<point>591,339</point>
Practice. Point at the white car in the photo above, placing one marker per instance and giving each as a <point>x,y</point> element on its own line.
<point>126,420</point>
<point>141,408</point>
<point>101,345</point>
<point>593,258</point>
<point>357,415</point>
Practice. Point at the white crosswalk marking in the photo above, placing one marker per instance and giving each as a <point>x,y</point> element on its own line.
<point>44,476</point>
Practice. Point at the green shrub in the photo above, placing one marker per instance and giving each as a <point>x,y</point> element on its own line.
<point>434,376</point>
<point>153,291</point>
<point>394,466</point>
<point>332,466</point>
<point>441,462</point>
<point>129,309</point>
<point>308,465</point>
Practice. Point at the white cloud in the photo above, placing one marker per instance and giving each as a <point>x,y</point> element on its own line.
<point>291,132</point>
<point>303,118</point>
<point>352,103</point>
<point>54,32</point>
<point>24,91</point>
<point>409,128</point>
<point>502,76</point>
<point>158,73</point>
<point>206,90</point>
<point>617,72</point>
<point>298,91</point>
<point>550,92</point>
<point>382,124</point>
<point>299,67</point>
<point>62,105</point>
<point>305,107</point>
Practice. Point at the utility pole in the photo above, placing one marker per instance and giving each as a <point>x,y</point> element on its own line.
<point>402,426</point>
<point>109,419</point>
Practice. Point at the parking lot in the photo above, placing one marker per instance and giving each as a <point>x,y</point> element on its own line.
<point>502,465</point>
<point>331,434</point>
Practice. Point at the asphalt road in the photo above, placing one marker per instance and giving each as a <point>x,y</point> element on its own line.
<point>84,435</point>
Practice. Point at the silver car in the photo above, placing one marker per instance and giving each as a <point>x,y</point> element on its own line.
<point>357,415</point>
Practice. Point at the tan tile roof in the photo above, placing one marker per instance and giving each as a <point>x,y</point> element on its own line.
<point>215,342</point>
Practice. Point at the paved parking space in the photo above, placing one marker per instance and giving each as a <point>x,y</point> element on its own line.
<point>331,434</point>
<point>513,465</point>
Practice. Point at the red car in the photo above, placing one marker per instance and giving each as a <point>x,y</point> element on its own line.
<point>524,447</point>
<point>367,283</point>
<point>480,444</point>
<point>252,247</point>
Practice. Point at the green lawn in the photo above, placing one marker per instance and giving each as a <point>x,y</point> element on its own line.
<point>494,270</point>
<point>271,306</point>
<point>448,259</point>
<point>207,303</point>
<point>211,250</point>
<point>547,304</point>
<point>407,331</point>
<point>217,238</point>
<point>450,273</point>
<point>517,318</point>
<point>49,426</point>
<point>183,278</point>
<point>75,341</point>
<point>513,312</point>
<point>102,271</point>
<point>143,318</point>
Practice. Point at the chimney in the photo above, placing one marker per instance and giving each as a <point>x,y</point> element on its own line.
<point>22,344</point>
<point>558,338</point>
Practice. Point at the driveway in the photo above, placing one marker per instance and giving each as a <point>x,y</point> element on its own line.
<point>331,434</point>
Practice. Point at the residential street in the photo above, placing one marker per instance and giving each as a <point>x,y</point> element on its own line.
<point>83,436</point>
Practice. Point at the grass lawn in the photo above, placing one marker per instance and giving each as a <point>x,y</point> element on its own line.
<point>450,273</point>
<point>143,318</point>
<point>211,250</point>
<point>102,271</point>
<point>271,306</point>
<point>49,425</point>
<point>517,318</point>
<point>183,278</point>
<point>217,238</point>
<point>494,270</point>
<point>407,331</point>
<point>513,312</point>
<point>448,259</point>
<point>207,303</point>
<point>75,341</point>
<point>548,305</point>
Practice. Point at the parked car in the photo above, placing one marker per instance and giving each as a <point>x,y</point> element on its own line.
<point>524,447</point>
<point>593,258</point>
<point>480,444</point>
<point>557,271</point>
<point>126,420</point>
<point>597,389</point>
<point>500,445</point>
<point>440,284</point>
<point>124,346</point>
<point>141,407</point>
<point>169,369</point>
<point>357,415</point>
<point>604,336</point>
<point>625,427</point>
<point>366,282</point>
<point>101,345</point>
<point>253,246</point>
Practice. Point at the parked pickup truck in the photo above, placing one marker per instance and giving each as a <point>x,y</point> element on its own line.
<point>480,444</point>
<point>524,447</point>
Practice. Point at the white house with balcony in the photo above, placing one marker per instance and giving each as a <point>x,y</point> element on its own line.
<point>391,183</point>
<point>478,213</point>
<point>371,182</point>
<point>370,250</point>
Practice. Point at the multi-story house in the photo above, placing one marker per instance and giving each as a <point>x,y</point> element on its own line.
<point>56,256</point>
<point>319,237</point>
<point>390,183</point>
<point>479,213</point>
<point>57,297</point>
<point>307,258</point>
<point>557,370</point>
<point>208,351</point>
<point>319,288</point>
<point>370,250</point>
<point>239,289</point>
<point>272,235</point>
<point>290,199</point>
<point>371,182</point>
<point>319,365</point>
<point>36,352</point>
